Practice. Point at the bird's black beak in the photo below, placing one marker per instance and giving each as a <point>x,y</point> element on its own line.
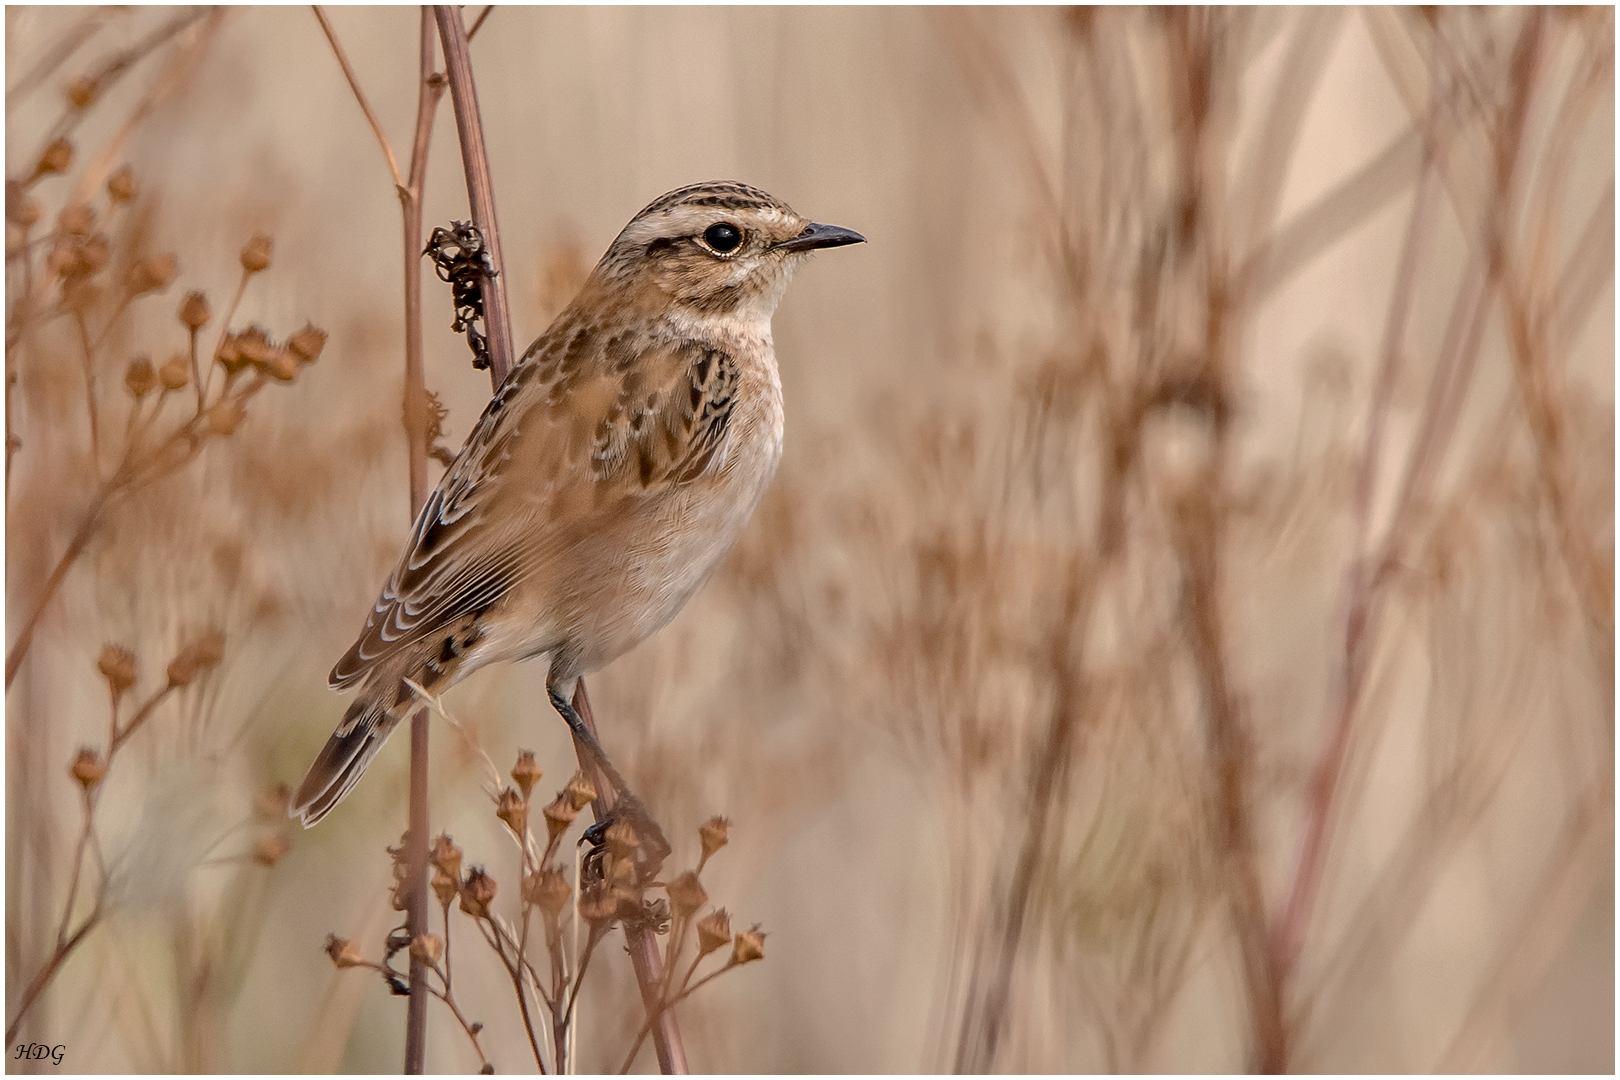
<point>816,235</point>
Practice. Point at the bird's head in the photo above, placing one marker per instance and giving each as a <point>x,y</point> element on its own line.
<point>715,249</point>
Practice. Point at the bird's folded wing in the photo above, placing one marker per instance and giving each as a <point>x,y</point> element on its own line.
<point>564,442</point>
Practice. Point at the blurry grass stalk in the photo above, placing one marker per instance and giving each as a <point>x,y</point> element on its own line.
<point>1160,266</point>
<point>430,88</point>
<point>92,267</point>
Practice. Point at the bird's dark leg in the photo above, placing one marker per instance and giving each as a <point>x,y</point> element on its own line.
<point>629,808</point>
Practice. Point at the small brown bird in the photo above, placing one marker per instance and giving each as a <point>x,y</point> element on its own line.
<point>609,474</point>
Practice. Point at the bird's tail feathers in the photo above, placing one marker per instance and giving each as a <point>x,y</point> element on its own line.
<point>365,727</point>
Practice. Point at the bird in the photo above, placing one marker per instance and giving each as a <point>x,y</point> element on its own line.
<point>612,470</point>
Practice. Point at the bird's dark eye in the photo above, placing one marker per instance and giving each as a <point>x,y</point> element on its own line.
<point>722,237</point>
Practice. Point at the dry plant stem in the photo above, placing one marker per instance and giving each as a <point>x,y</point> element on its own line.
<point>172,454</point>
<point>105,76</point>
<point>66,942</point>
<point>497,941</point>
<point>1290,927</point>
<point>639,940</point>
<point>984,1029</point>
<point>1229,752</point>
<point>480,188</point>
<point>55,56</point>
<point>25,637</point>
<point>643,945</point>
<point>1452,373</point>
<point>181,62</point>
<point>430,87</point>
<point>1538,383</point>
<point>478,22</point>
<point>354,85</point>
<point>681,995</point>
<point>90,391</point>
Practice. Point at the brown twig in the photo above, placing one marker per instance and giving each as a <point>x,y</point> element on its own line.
<point>480,187</point>
<point>681,995</point>
<point>430,87</point>
<point>641,943</point>
<point>359,95</point>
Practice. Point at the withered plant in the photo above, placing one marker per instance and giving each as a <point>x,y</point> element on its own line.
<point>113,418</point>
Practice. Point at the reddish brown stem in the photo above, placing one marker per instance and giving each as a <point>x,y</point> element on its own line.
<point>642,943</point>
<point>429,89</point>
<point>75,548</point>
<point>480,187</point>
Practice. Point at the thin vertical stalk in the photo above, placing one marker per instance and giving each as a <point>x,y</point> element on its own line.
<point>430,86</point>
<point>641,943</point>
<point>643,946</point>
<point>480,187</point>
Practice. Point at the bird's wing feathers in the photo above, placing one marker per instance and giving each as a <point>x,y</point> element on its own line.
<point>573,431</point>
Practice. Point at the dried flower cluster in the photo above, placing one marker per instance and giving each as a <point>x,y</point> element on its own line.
<point>616,879</point>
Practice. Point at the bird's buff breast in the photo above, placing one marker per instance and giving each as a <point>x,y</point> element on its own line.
<point>663,558</point>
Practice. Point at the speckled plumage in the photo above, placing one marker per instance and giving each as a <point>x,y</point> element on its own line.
<point>607,477</point>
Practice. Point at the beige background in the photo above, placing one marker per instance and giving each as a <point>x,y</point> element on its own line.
<point>847,830</point>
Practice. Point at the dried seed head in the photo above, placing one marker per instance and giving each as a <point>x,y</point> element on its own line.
<point>525,774</point>
<point>344,953</point>
<point>194,311</point>
<point>88,768</point>
<point>446,856</point>
<point>175,373</point>
<point>121,186</point>
<point>477,892</point>
<point>93,254</point>
<point>428,948</point>
<point>548,890</point>
<point>20,209</point>
<point>560,814</point>
<point>270,849</point>
<point>308,343</point>
<point>81,92</point>
<point>256,253</point>
<point>714,931</point>
<point>226,416</point>
<point>597,905</point>
<point>580,791</point>
<point>76,220</point>
<point>713,835</point>
<point>209,649</point>
<point>271,803</point>
<point>153,274</point>
<point>444,887</point>
<point>253,346</point>
<point>513,809</point>
<point>230,354</point>
<point>686,894</point>
<point>140,378</point>
<point>117,666</point>
<point>280,365</point>
<point>80,294</point>
<point>57,158</point>
<point>622,840</point>
<point>199,656</point>
<point>749,946</point>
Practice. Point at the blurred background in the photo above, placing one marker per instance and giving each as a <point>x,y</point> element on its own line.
<point>1179,638</point>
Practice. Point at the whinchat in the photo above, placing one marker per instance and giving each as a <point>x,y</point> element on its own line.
<point>608,476</point>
